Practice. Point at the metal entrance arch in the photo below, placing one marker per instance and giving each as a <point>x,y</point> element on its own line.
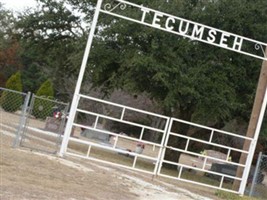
<point>214,37</point>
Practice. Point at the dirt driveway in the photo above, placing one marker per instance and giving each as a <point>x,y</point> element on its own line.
<point>27,175</point>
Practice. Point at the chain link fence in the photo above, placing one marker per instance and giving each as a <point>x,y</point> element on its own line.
<point>12,110</point>
<point>44,125</point>
<point>31,121</point>
<point>258,186</point>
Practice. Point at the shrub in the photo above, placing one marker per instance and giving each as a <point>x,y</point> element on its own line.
<point>11,101</point>
<point>46,89</point>
<point>42,104</point>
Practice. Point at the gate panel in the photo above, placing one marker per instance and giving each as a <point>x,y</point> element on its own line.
<point>117,134</point>
<point>12,104</point>
<point>44,125</point>
<point>204,156</point>
<point>148,142</point>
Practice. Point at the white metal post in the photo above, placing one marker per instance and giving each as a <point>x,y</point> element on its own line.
<point>75,99</point>
<point>163,146</point>
<point>253,146</point>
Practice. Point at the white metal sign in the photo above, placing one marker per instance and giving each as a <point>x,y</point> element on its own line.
<point>187,28</point>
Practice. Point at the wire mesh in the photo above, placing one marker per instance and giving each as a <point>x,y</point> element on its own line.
<point>45,124</point>
<point>11,112</point>
<point>258,186</point>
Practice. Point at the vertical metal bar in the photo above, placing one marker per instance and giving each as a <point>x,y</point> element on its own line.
<point>228,155</point>
<point>253,146</point>
<point>255,175</point>
<point>89,150</point>
<point>122,113</point>
<point>96,121</point>
<point>75,99</point>
<point>180,172</point>
<point>204,163</point>
<point>30,109</point>
<point>163,145</point>
<point>211,135</point>
<point>142,133</point>
<point>61,127</point>
<point>221,182</point>
<point>115,141</point>
<point>23,118</point>
<point>134,162</point>
<point>187,143</point>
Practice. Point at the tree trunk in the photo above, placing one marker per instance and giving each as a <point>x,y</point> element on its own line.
<point>262,83</point>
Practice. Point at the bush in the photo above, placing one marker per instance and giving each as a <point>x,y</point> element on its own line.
<point>46,89</point>
<point>11,101</point>
<point>42,105</point>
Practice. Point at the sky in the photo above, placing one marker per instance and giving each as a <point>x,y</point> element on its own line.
<point>18,5</point>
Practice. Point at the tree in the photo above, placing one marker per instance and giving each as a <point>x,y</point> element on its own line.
<point>32,76</point>
<point>191,80</point>
<point>9,46</point>
<point>11,101</point>
<point>53,39</point>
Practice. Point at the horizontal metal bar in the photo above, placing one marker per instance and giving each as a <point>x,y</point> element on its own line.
<point>117,135</point>
<point>190,21</point>
<point>107,162</point>
<point>202,170</point>
<point>119,120</point>
<point>211,129</point>
<point>188,36</point>
<point>51,100</point>
<point>14,91</point>
<point>122,106</point>
<point>199,155</point>
<point>112,149</point>
<point>197,183</point>
<point>206,142</point>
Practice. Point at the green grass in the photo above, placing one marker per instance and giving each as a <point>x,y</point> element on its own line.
<point>112,156</point>
<point>231,196</point>
<point>194,176</point>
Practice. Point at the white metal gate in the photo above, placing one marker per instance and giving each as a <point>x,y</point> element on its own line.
<point>206,155</point>
<point>214,37</point>
<point>118,135</point>
<point>139,140</point>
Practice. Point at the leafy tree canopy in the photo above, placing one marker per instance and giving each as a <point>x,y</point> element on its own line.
<point>191,80</point>
<point>9,46</point>
<point>53,39</point>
